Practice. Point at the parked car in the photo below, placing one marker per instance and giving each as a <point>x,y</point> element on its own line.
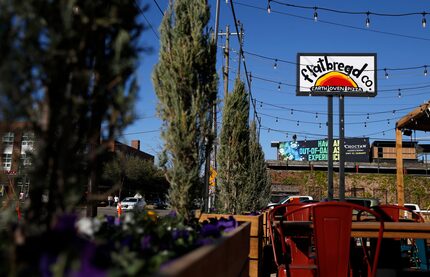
<point>130,203</point>
<point>412,207</point>
<point>291,198</point>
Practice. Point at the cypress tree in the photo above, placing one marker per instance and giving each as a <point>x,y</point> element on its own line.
<point>233,154</point>
<point>259,182</point>
<point>185,83</point>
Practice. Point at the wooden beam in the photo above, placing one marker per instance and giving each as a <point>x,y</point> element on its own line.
<point>399,164</point>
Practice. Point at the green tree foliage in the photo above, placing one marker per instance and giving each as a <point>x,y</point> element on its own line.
<point>185,83</point>
<point>233,157</point>
<point>257,191</point>
<point>67,68</point>
<point>132,174</point>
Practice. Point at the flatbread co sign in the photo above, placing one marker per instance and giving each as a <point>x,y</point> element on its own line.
<point>336,74</point>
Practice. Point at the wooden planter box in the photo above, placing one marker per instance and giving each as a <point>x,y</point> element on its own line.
<point>226,257</point>
<point>255,239</point>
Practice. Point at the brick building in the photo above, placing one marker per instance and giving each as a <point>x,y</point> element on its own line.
<point>18,141</point>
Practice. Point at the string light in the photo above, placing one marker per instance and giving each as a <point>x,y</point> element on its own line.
<point>268,130</point>
<point>367,20</point>
<point>383,133</point>
<point>316,115</point>
<point>298,123</point>
<point>320,125</point>
<point>276,119</point>
<point>367,116</point>
<point>424,21</point>
<point>261,104</point>
<point>399,94</point>
<point>388,121</point>
<point>315,14</point>
<point>268,7</point>
<point>425,70</point>
<point>279,87</point>
<point>365,124</point>
<point>386,73</point>
<point>292,111</point>
<point>275,65</point>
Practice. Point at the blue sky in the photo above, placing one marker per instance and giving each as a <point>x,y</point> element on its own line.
<point>399,42</point>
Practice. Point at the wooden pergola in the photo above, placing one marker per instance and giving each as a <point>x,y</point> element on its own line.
<point>418,119</point>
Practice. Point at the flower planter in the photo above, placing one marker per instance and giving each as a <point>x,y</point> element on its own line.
<point>226,257</point>
<point>255,239</point>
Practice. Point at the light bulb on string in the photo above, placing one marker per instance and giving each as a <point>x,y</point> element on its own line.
<point>292,111</point>
<point>368,20</point>
<point>365,124</point>
<point>279,87</point>
<point>383,133</point>
<point>425,70</point>
<point>306,138</point>
<point>298,123</point>
<point>316,115</point>
<point>275,65</point>
<point>394,112</point>
<point>367,116</point>
<point>276,119</point>
<point>399,94</point>
<point>315,14</point>
<point>424,21</point>
<point>268,130</point>
<point>386,73</point>
<point>388,121</point>
<point>320,125</point>
<point>268,7</point>
<point>261,104</point>
<point>286,135</point>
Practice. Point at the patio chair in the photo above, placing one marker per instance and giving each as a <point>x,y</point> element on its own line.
<point>418,248</point>
<point>289,251</point>
<point>331,236</point>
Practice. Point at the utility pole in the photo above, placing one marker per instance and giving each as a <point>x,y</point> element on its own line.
<point>226,59</point>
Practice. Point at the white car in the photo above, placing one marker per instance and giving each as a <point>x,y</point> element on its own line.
<point>130,203</point>
<point>291,198</point>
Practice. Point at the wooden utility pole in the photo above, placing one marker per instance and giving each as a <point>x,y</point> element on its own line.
<point>399,163</point>
<point>226,59</point>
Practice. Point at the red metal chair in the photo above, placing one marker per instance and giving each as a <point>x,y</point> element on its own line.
<point>332,223</point>
<point>397,213</point>
<point>286,250</point>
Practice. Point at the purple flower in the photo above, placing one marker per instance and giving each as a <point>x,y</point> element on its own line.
<point>65,222</point>
<point>210,230</point>
<point>145,242</point>
<point>227,225</point>
<point>87,268</point>
<point>110,219</point>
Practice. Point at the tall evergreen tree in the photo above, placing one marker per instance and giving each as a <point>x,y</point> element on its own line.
<point>233,157</point>
<point>185,83</point>
<point>259,185</point>
<point>67,68</point>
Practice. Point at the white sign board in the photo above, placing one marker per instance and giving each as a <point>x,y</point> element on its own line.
<point>336,74</point>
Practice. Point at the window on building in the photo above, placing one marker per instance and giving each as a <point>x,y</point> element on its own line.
<point>8,138</point>
<point>7,161</point>
<point>25,160</point>
<point>27,139</point>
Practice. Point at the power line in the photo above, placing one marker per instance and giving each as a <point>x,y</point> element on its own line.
<point>158,6</point>
<point>241,56</point>
<point>146,19</point>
